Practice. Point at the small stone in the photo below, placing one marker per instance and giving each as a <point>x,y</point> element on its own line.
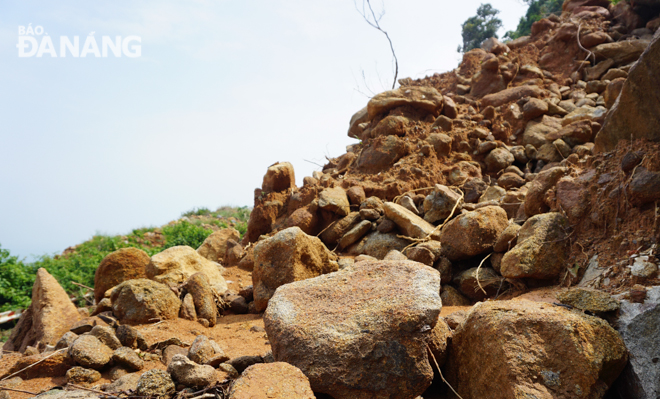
<point>588,299</point>
<point>81,375</point>
<point>128,358</point>
<point>107,336</point>
<point>89,352</point>
<point>155,382</point>
<point>188,373</point>
<point>201,350</point>
<point>127,336</point>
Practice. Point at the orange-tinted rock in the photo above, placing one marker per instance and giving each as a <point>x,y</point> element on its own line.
<point>279,177</point>
<point>214,247</point>
<point>420,97</point>
<point>277,380</point>
<point>473,233</point>
<point>117,267</point>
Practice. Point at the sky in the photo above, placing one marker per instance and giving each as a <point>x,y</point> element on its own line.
<point>192,104</point>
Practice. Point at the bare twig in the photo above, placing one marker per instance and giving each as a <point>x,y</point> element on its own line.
<point>374,22</point>
<point>17,390</point>
<point>33,364</point>
<point>82,285</point>
<point>479,269</point>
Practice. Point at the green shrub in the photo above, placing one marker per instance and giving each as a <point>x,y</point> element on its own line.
<point>185,233</point>
<point>537,10</point>
<point>197,212</point>
<point>16,280</point>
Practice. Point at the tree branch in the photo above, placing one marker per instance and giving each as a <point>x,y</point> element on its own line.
<point>376,25</point>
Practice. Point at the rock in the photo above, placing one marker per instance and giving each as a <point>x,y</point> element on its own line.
<point>262,219</point>
<point>441,143</point>
<point>355,234</point>
<point>117,267</point>
<point>588,299</point>
<point>595,72</point>
<point>410,224</point>
<point>381,154</point>
<point>288,256</point>
<point>439,341</point>
<point>535,199</point>
<point>642,268</point>
<point>86,325</point>
<point>443,123</point>
<point>48,317</point>
<point>356,195</point>
<point>378,245</point>
<point>214,246</point>
<point>127,335</point>
<point>594,39</point>
<point>479,283</point>
<point>645,186</point>
<point>493,193</point>
<point>390,125</point>
<point>124,383</point>
<point>175,265</point>
<point>639,328</point>
<point>172,350</point>
<point>631,160</point>
<point>80,375</point>
<point>337,230</point>
<point>201,350</point>
<point>187,310</point>
<point>498,159</point>
<point>66,340</point>
<point>279,177</point>
<point>507,239</point>
<point>451,297</point>
<point>473,189</point>
<point>510,95</point>
<point>542,248</point>
<point>443,266</point>
<point>334,200</point>
<point>473,233</point>
<point>420,97</point>
<point>89,352</point>
<point>623,52</point>
<point>239,305</point>
<point>360,117</point>
<point>155,382</point>
<point>576,133</point>
<point>636,112</point>
<point>534,108</point>
<point>536,131</point>
<point>494,46</point>
<point>449,109</point>
<point>127,358</point>
<point>188,373</point>
<point>527,349</point>
<point>107,336</point>
<point>421,254</point>
<point>142,301</point>
<point>572,197</point>
<point>273,380</point>
<point>243,362</point>
<point>408,203</point>
<point>612,92</point>
<point>439,204</point>
<point>42,365</point>
<point>320,326</point>
<point>585,112</point>
<point>202,294</point>
<point>510,180</point>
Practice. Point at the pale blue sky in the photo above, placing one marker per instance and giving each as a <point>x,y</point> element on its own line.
<point>222,90</point>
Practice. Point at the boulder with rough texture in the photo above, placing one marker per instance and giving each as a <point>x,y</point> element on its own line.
<point>378,245</point>
<point>588,299</point>
<point>175,265</point>
<point>645,186</point>
<point>201,350</point>
<point>361,332</point>
<point>117,267</point>
<point>409,223</point>
<point>186,372</point>
<point>419,97</point>
<point>636,112</point>
<point>537,131</point>
<point>80,375</point>
<point>479,283</point>
<point>335,200</point>
<point>279,177</point>
<point>277,380</point>
<point>542,248</point>
<point>639,327</point>
<point>439,204</point>
<point>48,317</point>
<point>214,246</point>
<point>107,336</point>
<point>524,349</point>
<point>144,301</point>
<point>202,294</point>
<point>383,152</point>
<point>498,159</point>
<point>126,357</point>
<point>288,256</point>
<point>535,199</point>
<point>89,352</point>
<point>623,52</point>
<point>473,233</point>
<point>156,383</point>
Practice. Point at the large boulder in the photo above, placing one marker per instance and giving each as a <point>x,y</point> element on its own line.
<point>288,256</point>
<point>276,380</point>
<point>409,223</point>
<point>542,248</point>
<point>334,200</point>
<point>214,246</point>
<point>419,97</point>
<point>117,267</point>
<point>439,204</point>
<point>622,52</point>
<point>639,327</point>
<point>636,113</point>
<point>524,349</point>
<point>144,301</point>
<point>175,265</point>
<point>48,317</point>
<point>361,332</point>
<point>89,352</point>
<point>473,233</point>
<point>279,177</point>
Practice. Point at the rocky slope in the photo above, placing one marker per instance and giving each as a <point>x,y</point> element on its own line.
<point>493,234</point>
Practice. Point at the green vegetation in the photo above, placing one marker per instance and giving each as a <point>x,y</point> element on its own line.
<point>79,263</point>
<point>482,26</point>
<point>537,10</point>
